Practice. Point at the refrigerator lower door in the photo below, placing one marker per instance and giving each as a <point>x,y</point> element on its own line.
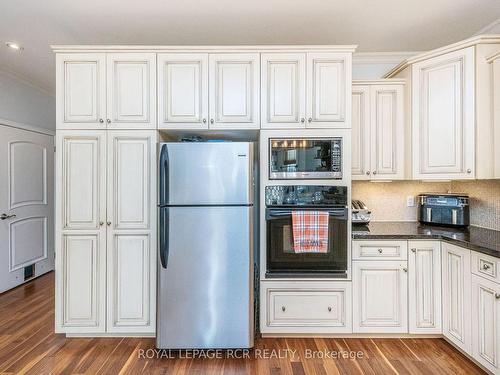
<point>205,293</point>
<point>200,173</point>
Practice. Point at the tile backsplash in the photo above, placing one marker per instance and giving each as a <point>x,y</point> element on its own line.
<point>387,200</point>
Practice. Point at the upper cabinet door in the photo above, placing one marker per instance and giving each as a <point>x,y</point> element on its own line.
<point>443,116</point>
<point>283,95</point>
<point>387,132</point>
<point>81,91</point>
<point>328,93</point>
<point>183,91</point>
<point>360,155</point>
<point>131,90</point>
<point>234,91</point>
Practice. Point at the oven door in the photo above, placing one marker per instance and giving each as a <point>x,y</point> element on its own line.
<point>283,261</point>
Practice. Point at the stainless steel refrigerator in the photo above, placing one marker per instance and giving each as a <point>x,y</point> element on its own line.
<point>205,272</point>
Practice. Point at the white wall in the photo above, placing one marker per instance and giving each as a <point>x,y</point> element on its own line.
<point>373,65</point>
<point>24,103</point>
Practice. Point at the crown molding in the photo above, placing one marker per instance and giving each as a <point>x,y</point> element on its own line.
<point>473,41</point>
<point>16,76</point>
<point>28,127</point>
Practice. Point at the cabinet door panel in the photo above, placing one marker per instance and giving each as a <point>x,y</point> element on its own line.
<point>380,297</point>
<point>486,323</point>
<point>81,178</point>
<point>234,91</point>
<point>424,286</point>
<point>81,90</point>
<point>327,74</point>
<point>387,135</point>
<point>360,154</point>
<point>81,283</point>
<point>131,234</point>
<point>456,295</point>
<point>131,90</point>
<point>183,91</point>
<point>443,116</point>
<point>283,90</point>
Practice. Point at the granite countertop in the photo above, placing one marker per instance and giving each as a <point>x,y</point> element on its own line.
<point>486,241</point>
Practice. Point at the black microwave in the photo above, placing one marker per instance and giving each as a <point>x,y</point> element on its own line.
<point>305,158</point>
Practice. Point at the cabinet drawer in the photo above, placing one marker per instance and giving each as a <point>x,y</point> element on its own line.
<point>485,266</point>
<point>306,308</point>
<point>377,249</point>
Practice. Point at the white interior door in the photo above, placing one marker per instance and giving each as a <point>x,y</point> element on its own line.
<point>360,140</point>
<point>131,90</point>
<point>81,91</point>
<point>283,92</point>
<point>131,234</point>
<point>183,90</point>
<point>234,91</point>
<point>26,204</point>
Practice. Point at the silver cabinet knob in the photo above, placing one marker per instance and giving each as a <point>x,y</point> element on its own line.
<point>413,250</point>
<point>101,120</point>
<point>374,172</point>
<point>469,171</point>
<point>380,251</point>
<point>211,120</point>
<point>367,173</point>
<point>108,121</point>
<point>109,223</point>
<point>486,266</point>
<point>405,269</point>
<point>6,216</point>
<point>204,120</point>
<point>329,309</point>
<point>302,120</point>
<point>309,119</point>
<point>101,223</point>
<point>283,308</point>
<point>497,295</point>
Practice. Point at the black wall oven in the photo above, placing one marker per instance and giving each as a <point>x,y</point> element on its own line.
<point>282,259</point>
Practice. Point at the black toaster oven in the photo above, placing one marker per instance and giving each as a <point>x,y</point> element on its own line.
<point>444,209</point>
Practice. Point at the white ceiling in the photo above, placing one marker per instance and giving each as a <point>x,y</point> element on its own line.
<point>376,25</point>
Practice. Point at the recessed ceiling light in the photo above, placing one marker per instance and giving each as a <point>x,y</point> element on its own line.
<point>14,45</point>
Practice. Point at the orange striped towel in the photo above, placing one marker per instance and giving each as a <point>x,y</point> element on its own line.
<point>310,231</point>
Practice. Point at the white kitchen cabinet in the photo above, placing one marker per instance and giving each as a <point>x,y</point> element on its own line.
<point>283,91</point>
<point>424,287</point>
<point>378,130</point>
<point>486,323</point>
<point>131,233</point>
<point>81,91</point>
<point>456,278</point>
<point>131,90</point>
<point>106,91</point>
<point>495,64</point>
<point>234,90</point>
<point>380,296</point>
<point>443,116</point>
<point>80,231</point>
<point>106,231</point>
<point>183,90</point>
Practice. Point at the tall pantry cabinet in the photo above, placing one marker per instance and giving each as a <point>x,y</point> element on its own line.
<point>106,193</point>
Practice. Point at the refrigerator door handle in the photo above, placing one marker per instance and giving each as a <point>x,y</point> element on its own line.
<point>163,164</point>
<point>164,240</point>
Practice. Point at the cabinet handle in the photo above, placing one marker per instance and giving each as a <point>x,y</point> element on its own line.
<point>211,120</point>
<point>6,216</point>
<point>405,269</point>
<point>497,295</point>
<point>101,120</point>
<point>413,250</point>
<point>109,223</point>
<point>486,266</point>
<point>101,223</point>
<point>380,251</point>
<point>329,309</point>
<point>374,172</point>
<point>204,120</point>
<point>108,121</point>
<point>283,308</point>
<point>302,120</point>
<point>309,119</point>
<point>367,173</point>
<point>469,171</point>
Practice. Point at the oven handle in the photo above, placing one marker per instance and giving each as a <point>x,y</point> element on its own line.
<point>340,212</point>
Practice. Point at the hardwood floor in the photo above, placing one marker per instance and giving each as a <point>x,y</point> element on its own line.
<point>28,345</point>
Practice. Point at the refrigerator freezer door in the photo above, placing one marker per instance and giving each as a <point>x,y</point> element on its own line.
<point>205,293</point>
<point>206,173</point>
